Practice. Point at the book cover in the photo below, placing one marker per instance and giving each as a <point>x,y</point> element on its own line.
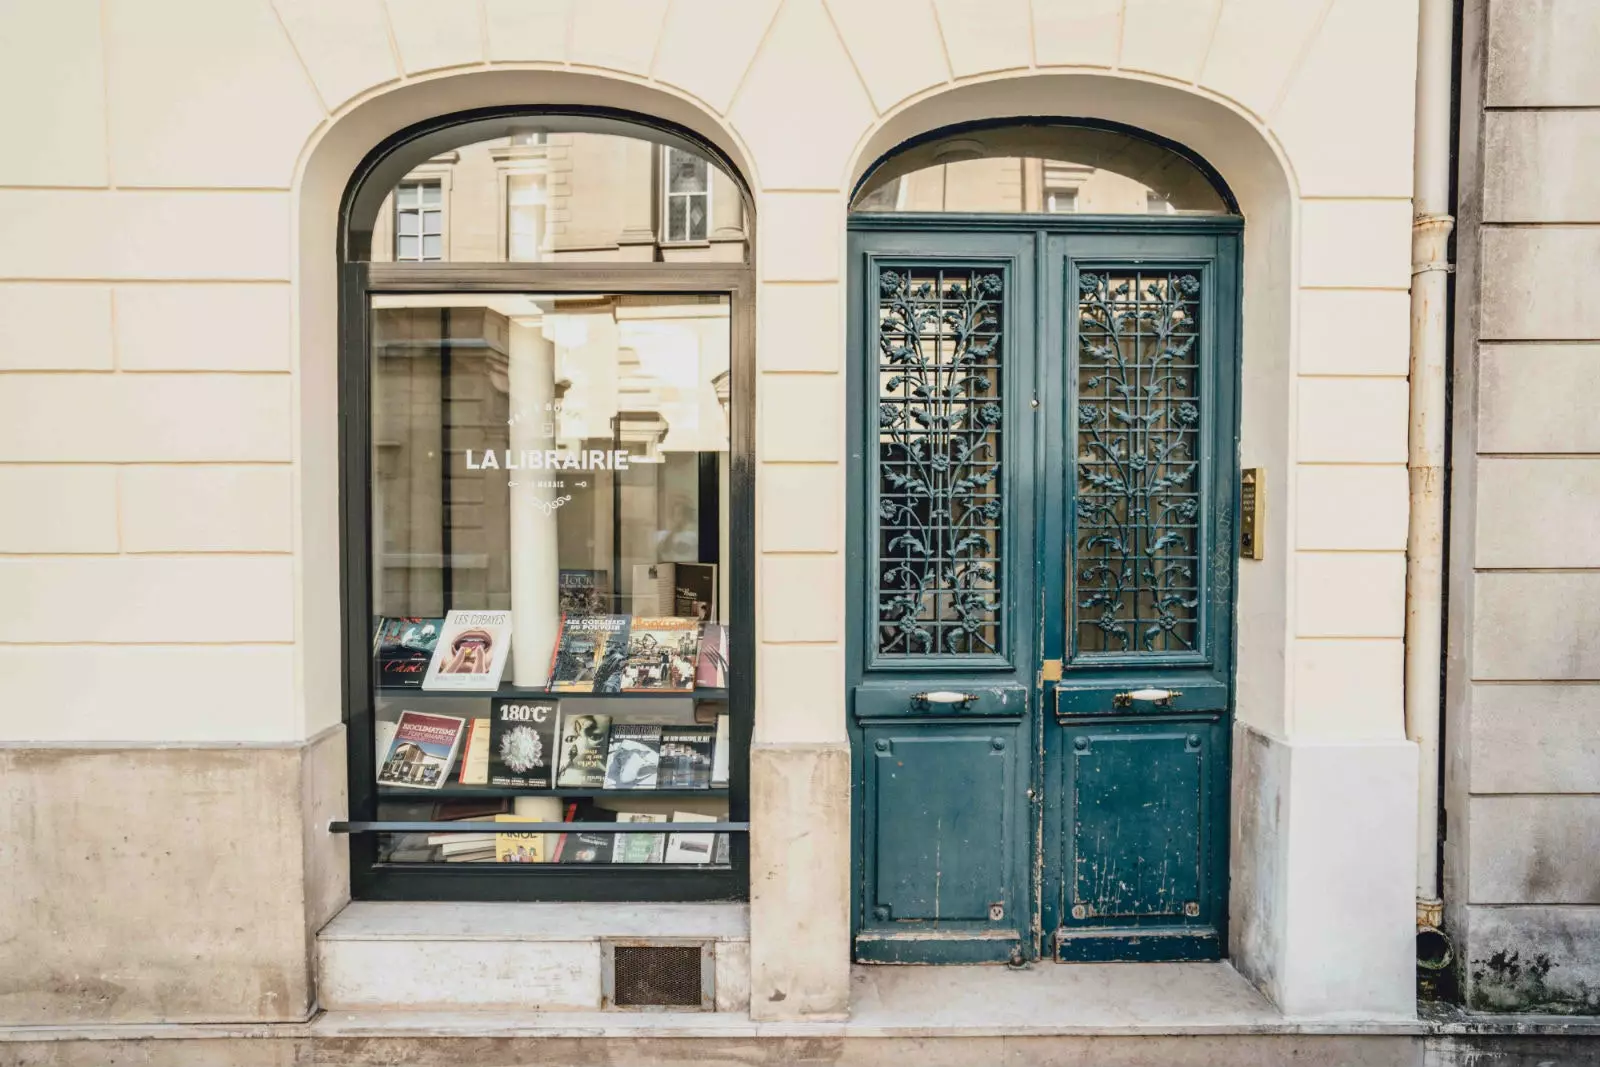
<point>518,848</point>
<point>652,589</point>
<point>685,757</point>
<point>582,759</point>
<point>582,592</point>
<point>590,654</point>
<point>694,591</point>
<point>541,809</point>
<point>719,752</point>
<point>383,740</point>
<point>588,848</point>
<point>690,848</point>
<point>475,754</point>
<point>661,655</point>
<point>711,670</point>
<point>569,815</point>
<point>639,848</point>
<point>424,748</point>
<point>522,742</point>
<point>404,648</point>
<point>471,653</point>
<point>634,756</point>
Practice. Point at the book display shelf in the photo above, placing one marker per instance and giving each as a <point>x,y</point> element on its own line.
<point>548,543</point>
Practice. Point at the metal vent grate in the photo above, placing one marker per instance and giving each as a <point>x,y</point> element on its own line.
<point>659,976</point>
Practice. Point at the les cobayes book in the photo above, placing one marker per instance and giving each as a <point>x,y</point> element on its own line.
<point>471,653</point>
<point>581,761</point>
<point>661,655</point>
<point>685,757</point>
<point>404,648</point>
<point>523,738</point>
<point>590,654</point>
<point>711,670</point>
<point>423,749</point>
<point>634,756</point>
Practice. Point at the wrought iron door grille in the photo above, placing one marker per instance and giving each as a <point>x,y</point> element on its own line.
<point>939,407</point>
<point>658,976</point>
<point>1137,566</point>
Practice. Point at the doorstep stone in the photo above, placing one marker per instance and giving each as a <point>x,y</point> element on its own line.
<point>507,957</point>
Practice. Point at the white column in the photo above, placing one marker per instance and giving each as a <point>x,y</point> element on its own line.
<point>534,560</point>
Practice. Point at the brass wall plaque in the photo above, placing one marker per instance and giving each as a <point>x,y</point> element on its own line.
<point>1252,511</point>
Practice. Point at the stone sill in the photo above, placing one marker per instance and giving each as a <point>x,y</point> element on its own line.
<point>371,920</point>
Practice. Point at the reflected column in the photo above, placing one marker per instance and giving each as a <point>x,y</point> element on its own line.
<point>535,601</point>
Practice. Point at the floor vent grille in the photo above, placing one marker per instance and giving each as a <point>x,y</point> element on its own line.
<point>653,976</point>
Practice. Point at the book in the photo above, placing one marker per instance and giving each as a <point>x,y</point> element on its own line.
<point>471,653</point>
<point>633,757</point>
<point>383,738</point>
<point>424,748</point>
<point>719,752</point>
<point>481,855</point>
<point>639,848</point>
<point>569,815</point>
<point>588,848</point>
<point>711,669</point>
<point>475,754</point>
<point>690,848</point>
<point>451,844</point>
<point>652,589</point>
<point>403,648</point>
<point>582,759</point>
<point>694,591</point>
<point>541,809</point>
<point>686,753</point>
<point>521,750</point>
<point>518,848</point>
<point>590,654</point>
<point>661,655</point>
<point>582,592</point>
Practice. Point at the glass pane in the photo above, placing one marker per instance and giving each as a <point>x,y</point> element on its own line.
<point>406,248</point>
<point>407,222</point>
<point>602,194</point>
<point>432,247</point>
<point>686,173</point>
<point>697,218</point>
<point>549,514</point>
<point>432,222</point>
<point>939,483</point>
<point>1138,567</point>
<point>677,221</point>
<point>1041,168</point>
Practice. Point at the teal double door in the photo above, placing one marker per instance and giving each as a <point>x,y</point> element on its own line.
<point>1043,455</point>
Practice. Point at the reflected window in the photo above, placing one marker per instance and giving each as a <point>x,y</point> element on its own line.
<point>419,221</point>
<point>688,196</point>
<point>1043,169</point>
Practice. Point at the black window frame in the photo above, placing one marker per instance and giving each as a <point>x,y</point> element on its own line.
<point>359,282</point>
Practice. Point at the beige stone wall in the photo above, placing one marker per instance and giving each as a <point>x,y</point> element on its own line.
<point>167,430</point>
<point>1523,729</point>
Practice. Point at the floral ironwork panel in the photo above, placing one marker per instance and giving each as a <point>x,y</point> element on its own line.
<point>1137,563</point>
<point>938,579</point>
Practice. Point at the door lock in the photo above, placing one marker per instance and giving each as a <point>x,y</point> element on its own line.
<point>943,696</point>
<point>1153,696</point>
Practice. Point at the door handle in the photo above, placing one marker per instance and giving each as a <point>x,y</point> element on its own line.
<point>943,696</point>
<point>1153,696</point>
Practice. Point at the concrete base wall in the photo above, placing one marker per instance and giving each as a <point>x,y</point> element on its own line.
<point>166,884</point>
<point>1323,869</point>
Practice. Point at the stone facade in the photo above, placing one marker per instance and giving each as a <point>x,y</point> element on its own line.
<point>1523,729</point>
<point>171,481</point>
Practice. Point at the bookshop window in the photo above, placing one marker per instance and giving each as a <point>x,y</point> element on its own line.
<point>557,605</point>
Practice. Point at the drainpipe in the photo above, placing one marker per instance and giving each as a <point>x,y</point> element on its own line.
<point>1430,267</point>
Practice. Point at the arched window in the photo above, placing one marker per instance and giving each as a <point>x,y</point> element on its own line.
<point>547,389</point>
<point>1042,167</point>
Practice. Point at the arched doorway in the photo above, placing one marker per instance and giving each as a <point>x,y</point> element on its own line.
<point>1044,406</point>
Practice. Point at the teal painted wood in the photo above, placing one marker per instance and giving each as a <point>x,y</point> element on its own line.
<point>976,832</point>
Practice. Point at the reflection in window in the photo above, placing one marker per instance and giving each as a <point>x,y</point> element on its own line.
<point>419,221</point>
<point>688,195</point>
<point>1052,169</point>
<point>525,217</point>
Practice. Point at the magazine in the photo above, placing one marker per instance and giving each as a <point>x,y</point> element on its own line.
<point>634,756</point>
<point>711,670</point>
<point>652,589</point>
<point>518,848</point>
<point>424,748</point>
<point>522,743</point>
<point>639,848</point>
<point>475,754</point>
<point>590,654</point>
<point>690,848</point>
<point>661,655</point>
<point>685,757</point>
<point>472,651</point>
<point>403,648</point>
<point>582,758</point>
<point>694,591</point>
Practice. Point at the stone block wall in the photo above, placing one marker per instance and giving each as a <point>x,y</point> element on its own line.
<point>1523,717</point>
